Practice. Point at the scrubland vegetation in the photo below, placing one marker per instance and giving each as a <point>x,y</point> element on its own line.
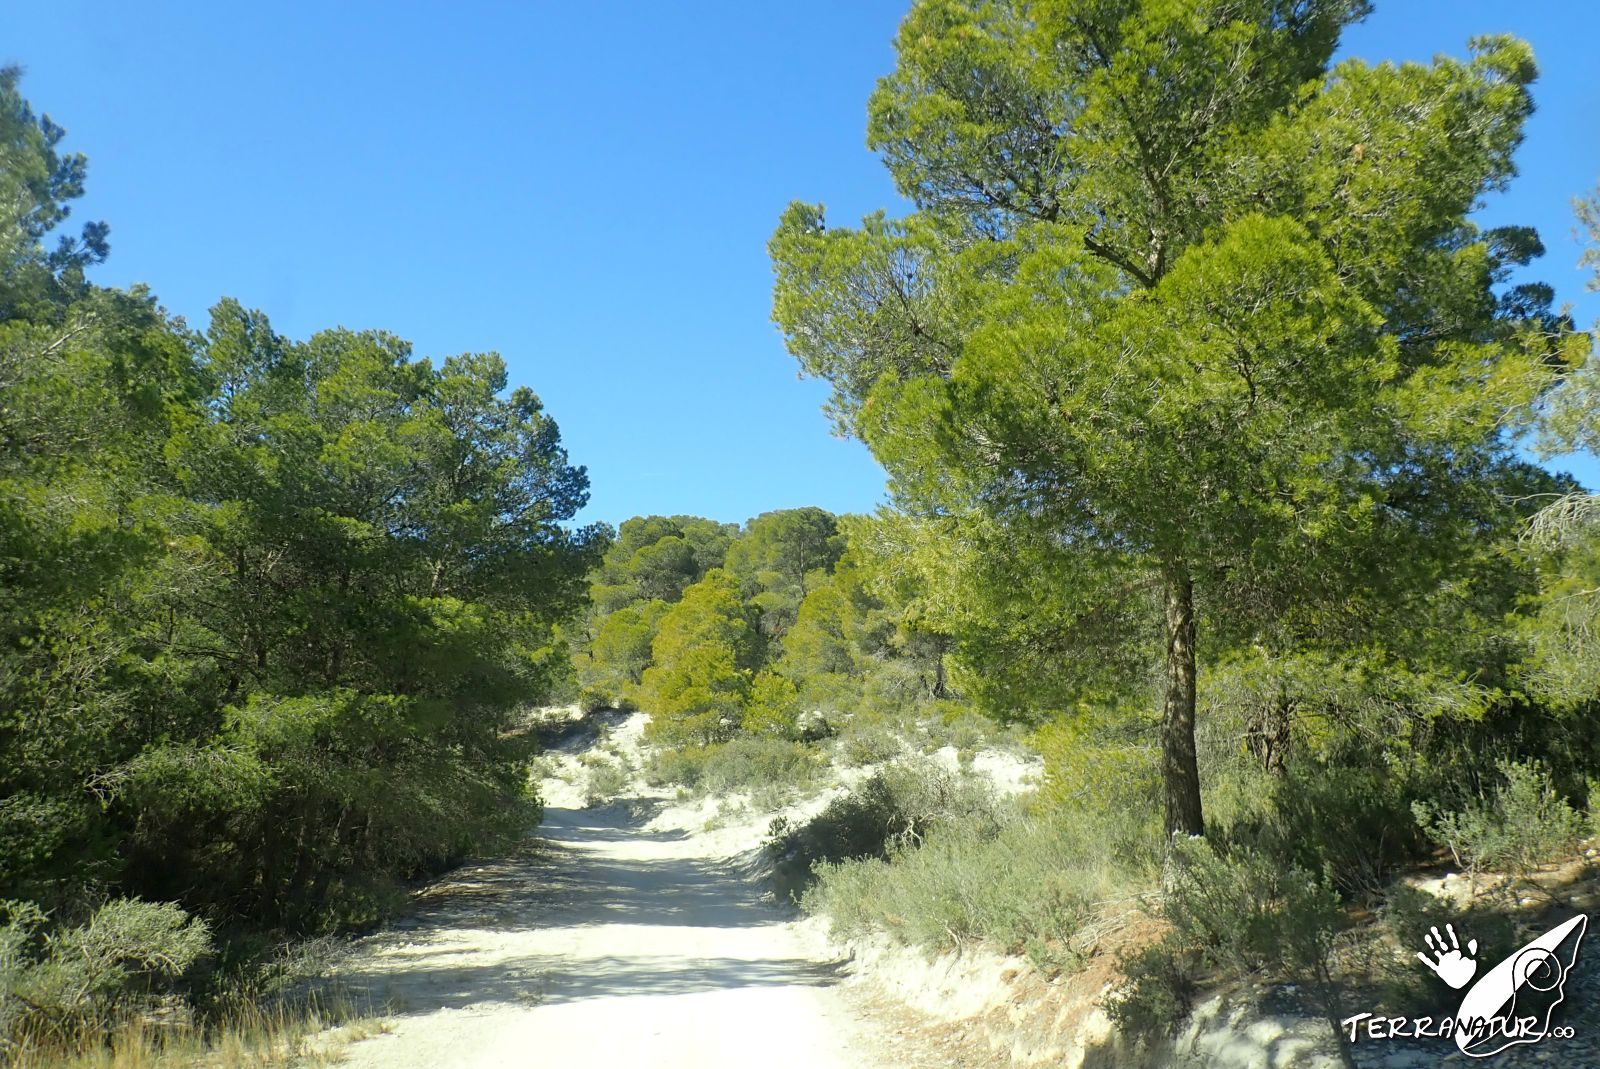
<point>1208,413</point>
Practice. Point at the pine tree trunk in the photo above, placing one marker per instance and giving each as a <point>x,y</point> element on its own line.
<point>1180,772</point>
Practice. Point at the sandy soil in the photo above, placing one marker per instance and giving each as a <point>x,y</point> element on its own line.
<point>619,937</point>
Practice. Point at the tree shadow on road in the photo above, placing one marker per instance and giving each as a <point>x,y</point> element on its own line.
<point>457,947</point>
<point>441,985</point>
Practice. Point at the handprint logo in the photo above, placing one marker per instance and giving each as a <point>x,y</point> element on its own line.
<point>1449,963</point>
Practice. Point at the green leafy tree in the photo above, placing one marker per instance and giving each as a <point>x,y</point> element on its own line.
<point>904,619</point>
<point>827,636</point>
<point>90,383</point>
<point>773,559</point>
<point>269,608</point>
<point>620,651</point>
<point>1183,311</point>
<point>645,569</point>
<point>658,557</point>
<point>1564,537</point>
<point>376,554</point>
<point>37,184</point>
<point>778,551</point>
<point>702,657</point>
<point>773,707</point>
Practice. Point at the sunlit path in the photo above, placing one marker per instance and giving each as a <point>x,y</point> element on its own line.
<point>604,944</point>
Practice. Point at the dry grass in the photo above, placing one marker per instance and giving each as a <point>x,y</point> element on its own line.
<point>313,1034</point>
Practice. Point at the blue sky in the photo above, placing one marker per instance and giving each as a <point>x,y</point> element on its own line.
<point>585,188</point>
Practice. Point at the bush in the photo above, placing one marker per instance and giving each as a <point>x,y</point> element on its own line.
<point>745,763</point>
<point>1247,912</point>
<point>814,726</point>
<point>774,707</point>
<point>958,725</point>
<point>1523,824</point>
<point>1101,764</point>
<point>1352,823</point>
<point>62,984</point>
<point>868,740</point>
<point>1156,993</point>
<point>1405,920</point>
<point>835,696</point>
<point>606,780</point>
<point>1023,884</point>
<point>684,767</point>
<point>257,1002</point>
<point>245,826</point>
<point>1230,915</point>
<point>593,700</point>
<point>897,806</point>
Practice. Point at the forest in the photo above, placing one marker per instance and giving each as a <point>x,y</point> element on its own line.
<point>271,611</point>
<point>1219,441</point>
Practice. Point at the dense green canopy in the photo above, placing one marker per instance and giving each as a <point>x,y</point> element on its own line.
<point>268,609</point>
<point>1184,315</point>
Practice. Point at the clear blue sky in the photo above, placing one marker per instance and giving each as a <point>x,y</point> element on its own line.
<point>586,188</point>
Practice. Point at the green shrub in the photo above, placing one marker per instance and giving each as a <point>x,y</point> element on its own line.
<point>1352,823</point>
<point>896,806</point>
<point>1230,916</point>
<point>684,767</point>
<point>834,696</point>
<point>606,780</point>
<point>257,1002</point>
<point>1521,825</point>
<point>774,767</point>
<point>1102,765</point>
<point>594,700</point>
<point>245,827</point>
<point>1405,920</point>
<point>1019,882</point>
<point>1156,993</point>
<point>773,708</point>
<point>751,762</point>
<point>767,797</point>
<point>958,725</point>
<point>58,984</point>
<point>868,740</point>
<point>814,726</point>
<point>360,903</point>
<point>1246,912</point>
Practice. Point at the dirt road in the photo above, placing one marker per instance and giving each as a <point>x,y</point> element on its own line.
<point>605,944</point>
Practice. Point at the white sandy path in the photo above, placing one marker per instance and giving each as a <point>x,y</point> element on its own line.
<point>611,946</point>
